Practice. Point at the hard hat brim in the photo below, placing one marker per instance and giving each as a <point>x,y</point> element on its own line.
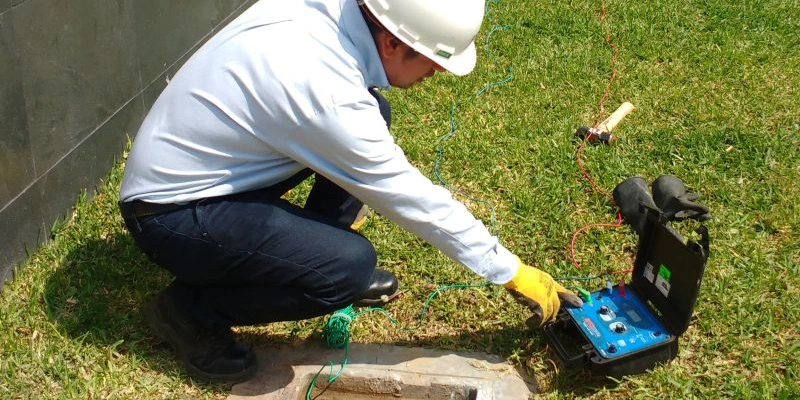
<point>459,64</point>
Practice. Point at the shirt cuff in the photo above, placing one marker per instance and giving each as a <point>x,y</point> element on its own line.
<point>500,265</point>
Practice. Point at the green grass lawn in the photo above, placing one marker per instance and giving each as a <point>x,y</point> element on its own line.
<point>717,90</point>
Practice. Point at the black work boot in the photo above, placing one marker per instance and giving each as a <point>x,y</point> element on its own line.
<point>208,354</point>
<point>383,288</point>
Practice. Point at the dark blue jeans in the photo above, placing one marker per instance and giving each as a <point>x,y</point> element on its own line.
<point>253,258</point>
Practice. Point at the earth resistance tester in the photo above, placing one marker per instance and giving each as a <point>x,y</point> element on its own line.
<point>628,329</point>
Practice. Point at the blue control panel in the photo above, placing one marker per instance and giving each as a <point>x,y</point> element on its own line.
<point>617,323</point>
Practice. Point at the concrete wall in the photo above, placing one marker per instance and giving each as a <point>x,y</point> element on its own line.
<point>76,78</point>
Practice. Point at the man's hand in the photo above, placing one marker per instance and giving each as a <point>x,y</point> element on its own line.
<point>537,290</point>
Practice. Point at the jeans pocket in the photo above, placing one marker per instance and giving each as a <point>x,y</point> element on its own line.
<point>202,211</point>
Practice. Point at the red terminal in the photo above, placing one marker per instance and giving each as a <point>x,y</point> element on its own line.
<point>621,287</point>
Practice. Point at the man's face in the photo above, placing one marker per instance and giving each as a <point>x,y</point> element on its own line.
<point>404,67</point>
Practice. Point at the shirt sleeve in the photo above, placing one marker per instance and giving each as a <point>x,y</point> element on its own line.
<point>350,144</point>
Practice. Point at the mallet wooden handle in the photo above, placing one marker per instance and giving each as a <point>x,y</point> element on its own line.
<point>609,123</point>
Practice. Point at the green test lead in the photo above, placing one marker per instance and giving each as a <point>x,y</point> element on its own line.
<point>587,297</point>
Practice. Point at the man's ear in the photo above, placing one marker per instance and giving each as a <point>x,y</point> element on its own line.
<point>388,45</point>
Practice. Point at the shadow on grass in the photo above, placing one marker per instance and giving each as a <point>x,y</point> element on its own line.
<point>97,294</point>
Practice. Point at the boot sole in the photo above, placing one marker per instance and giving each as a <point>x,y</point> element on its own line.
<point>377,302</point>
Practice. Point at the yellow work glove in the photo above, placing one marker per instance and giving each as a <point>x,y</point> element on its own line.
<point>537,290</point>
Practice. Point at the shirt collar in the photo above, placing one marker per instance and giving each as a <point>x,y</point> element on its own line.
<point>353,26</point>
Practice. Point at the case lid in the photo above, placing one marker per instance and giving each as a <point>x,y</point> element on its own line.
<point>668,270</point>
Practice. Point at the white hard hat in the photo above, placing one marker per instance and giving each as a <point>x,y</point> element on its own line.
<point>442,30</point>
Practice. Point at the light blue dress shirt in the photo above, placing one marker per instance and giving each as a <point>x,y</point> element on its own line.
<point>282,88</point>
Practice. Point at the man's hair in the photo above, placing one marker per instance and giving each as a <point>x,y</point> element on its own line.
<point>373,24</point>
<point>375,27</point>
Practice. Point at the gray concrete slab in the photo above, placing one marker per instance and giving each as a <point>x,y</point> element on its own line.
<point>376,371</point>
